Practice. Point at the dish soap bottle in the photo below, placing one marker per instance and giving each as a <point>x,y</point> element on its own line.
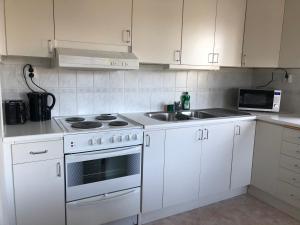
<point>185,101</point>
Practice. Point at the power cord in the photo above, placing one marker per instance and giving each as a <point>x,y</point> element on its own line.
<point>31,76</point>
<point>286,76</point>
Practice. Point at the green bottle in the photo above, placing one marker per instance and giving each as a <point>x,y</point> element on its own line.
<point>185,101</point>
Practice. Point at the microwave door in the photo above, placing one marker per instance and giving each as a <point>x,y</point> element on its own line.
<point>255,99</point>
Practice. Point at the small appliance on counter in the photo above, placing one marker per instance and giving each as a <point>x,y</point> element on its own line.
<point>39,108</point>
<point>259,100</point>
<point>15,112</point>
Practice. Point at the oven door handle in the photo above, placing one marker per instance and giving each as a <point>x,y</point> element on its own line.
<point>101,198</point>
<point>102,154</point>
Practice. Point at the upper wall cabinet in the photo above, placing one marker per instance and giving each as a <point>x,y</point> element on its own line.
<point>229,32</point>
<point>290,49</point>
<point>199,17</point>
<point>2,29</point>
<point>157,30</point>
<point>263,28</point>
<point>29,27</point>
<point>104,24</point>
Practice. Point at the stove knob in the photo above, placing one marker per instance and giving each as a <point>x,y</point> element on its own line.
<point>120,139</point>
<point>127,137</point>
<point>113,139</point>
<point>100,141</point>
<point>134,137</point>
<point>92,142</point>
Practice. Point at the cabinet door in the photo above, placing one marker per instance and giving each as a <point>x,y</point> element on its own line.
<point>153,171</point>
<point>229,32</point>
<point>266,157</point>
<point>2,29</point>
<point>105,22</point>
<point>290,50</point>
<point>216,159</point>
<point>39,193</point>
<point>263,27</point>
<point>182,166</point>
<point>242,154</point>
<point>157,30</point>
<point>29,27</point>
<point>198,34</point>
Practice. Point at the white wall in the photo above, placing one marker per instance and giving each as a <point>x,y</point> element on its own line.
<point>290,102</point>
<point>148,89</point>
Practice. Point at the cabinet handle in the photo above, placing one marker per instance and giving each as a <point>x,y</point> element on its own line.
<point>177,55</point>
<point>296,166</point>
<point>200,135</point>
<point>211,58</point>
<point>58,170</point>
<point>237,130</point>
<point>126,36</point>
<point>206,134</point>
<point>148,140</point>
<point>38,153</point>
<point>50,46</point>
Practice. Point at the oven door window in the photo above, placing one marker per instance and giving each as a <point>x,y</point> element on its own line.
<point>98,170</point>
<point>259,99</point>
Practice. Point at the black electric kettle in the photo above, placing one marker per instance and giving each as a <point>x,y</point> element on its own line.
<point>39,107</point>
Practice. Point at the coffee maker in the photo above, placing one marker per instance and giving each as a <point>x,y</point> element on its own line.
<point>39,108</point>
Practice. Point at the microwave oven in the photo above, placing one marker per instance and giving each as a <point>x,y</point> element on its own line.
<point>259,100</point>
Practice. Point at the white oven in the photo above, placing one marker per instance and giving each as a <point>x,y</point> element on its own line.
<point>95,173</point>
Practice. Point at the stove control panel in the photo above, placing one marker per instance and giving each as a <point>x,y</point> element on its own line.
<point>75,143</point>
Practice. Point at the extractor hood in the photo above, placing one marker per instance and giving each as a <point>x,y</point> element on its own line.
<point>91,59</point>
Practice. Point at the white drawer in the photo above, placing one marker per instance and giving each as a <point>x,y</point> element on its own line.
<point>290,163</point>
<point>292,136</point>
<point>104,208</point>
<point>38,151</point>
<point>289,194</point>
<point>290,149</point>
<point>289,177</point>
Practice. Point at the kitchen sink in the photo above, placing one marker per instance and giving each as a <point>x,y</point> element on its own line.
<point>195,114</point>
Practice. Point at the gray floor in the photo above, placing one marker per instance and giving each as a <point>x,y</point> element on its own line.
<point>242,210</point>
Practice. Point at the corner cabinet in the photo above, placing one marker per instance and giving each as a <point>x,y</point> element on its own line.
<point>182,166</point>
<point>263,29</point>
<point>198,32</point>
<point>242,154</point>
<point>153,170</point>
<point>29,27</point>
<point>38,176</point>
<point>95,22</point>
<point>157,30</point>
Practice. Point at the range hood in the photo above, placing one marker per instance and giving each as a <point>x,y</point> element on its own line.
<point>91,59</point>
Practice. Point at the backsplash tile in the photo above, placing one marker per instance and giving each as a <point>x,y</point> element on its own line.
<point>148,89</point>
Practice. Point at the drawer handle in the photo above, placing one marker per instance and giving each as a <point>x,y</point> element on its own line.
<point>38,153</point>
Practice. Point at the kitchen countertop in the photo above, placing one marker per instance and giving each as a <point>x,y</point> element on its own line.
<point>40,130</point>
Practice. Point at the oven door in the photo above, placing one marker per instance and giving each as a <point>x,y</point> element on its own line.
<point>256,99</point>
<point>101,172</point>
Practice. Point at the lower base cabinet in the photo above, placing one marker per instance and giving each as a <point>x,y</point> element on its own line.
<point>216,159</point>
<point>40,193</point>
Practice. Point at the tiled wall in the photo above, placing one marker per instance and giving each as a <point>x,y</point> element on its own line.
<point>290,102</point>
<point>148,89</point>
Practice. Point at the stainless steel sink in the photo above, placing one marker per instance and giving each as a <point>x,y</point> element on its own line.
<point>195,114</point>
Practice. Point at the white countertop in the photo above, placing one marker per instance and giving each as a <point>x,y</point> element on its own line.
<point>40,130</point>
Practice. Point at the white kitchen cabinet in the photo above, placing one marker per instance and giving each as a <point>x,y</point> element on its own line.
<point>182,166</point>
<point>157,30</point>
<point>198,32</point>
<point>229,32</point>
<point>29,27</point>
<point>2,30</point>
<point>266,157</point>
<point>97,22</point>
<point>263,28</point>
<point>242,154</point>
<point>216,159</point>
<point>153,170</point>
<point>290,50</point>
<point>39,193</point>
